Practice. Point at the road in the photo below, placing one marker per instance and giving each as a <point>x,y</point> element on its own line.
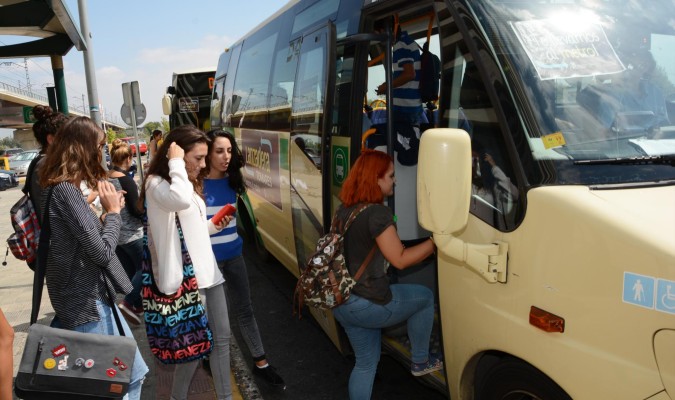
<point>308,361</point>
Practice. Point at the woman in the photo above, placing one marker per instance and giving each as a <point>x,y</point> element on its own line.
<point>223,184</point>
<point>374,303</point>
<point>82,268</point>
<point>45,127</point>
<point>129,248</point>
<point>172,189</point>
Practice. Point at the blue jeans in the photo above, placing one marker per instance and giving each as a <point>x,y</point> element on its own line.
<point>363,320</point>
<point>107,326</point>
<point>239,298</point>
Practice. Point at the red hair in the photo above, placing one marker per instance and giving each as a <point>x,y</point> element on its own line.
<point>361,184</point>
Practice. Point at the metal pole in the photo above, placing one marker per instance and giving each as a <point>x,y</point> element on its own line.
<point>60,84</point>
<point>89,69</point>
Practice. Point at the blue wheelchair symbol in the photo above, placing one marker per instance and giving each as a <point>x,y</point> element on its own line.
<point>665,296</point>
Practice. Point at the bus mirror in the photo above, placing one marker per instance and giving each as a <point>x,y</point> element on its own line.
<point>166,104</point>
<point>444,180</point>
<point>171,90</point>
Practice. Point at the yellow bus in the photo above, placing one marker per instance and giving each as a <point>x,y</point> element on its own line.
<point>546,176</point>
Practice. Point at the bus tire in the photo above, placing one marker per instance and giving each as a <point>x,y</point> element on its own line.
<point>511,378</point>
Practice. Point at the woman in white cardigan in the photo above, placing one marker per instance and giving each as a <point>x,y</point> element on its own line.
<point>171,188</point>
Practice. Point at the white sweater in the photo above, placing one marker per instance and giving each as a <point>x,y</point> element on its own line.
<point>164,201</point>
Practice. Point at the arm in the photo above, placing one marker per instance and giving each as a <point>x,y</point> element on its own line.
<point>99,245</point>
<point>407,75</point>
<point>131,195</point>
<point>398,255</point>
<point>174,196</point>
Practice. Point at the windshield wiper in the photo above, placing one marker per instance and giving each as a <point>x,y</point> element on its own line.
<point>667,160</point>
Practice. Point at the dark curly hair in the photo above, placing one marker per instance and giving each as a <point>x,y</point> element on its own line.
<point>48,123</point>
<point>236,179</point>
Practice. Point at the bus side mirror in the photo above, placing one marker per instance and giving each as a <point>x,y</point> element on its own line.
<point>166,104</point>
<point>444,180</point>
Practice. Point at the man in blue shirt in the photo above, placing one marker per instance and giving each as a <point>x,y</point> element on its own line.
<point>407,105</point>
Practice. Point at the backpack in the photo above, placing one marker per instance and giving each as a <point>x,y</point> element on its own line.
<point>325,282</point>
<point>430,75</point>
<point>23,243</point>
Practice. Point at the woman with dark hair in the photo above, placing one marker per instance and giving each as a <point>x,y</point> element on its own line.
<point>172,189</point>
<point>129,248</point>
<point>374,303</point>
<point>223,184</point>
<point>82,270</point>
<point>45,127</point>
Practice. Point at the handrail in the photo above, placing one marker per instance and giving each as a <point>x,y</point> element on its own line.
<point>13,89</point>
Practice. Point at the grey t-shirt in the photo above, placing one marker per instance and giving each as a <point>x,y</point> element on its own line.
<point>359,240</point>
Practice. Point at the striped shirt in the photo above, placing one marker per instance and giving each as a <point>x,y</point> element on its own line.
<point>80,249</point>
<point>227,244</point>
<point>406,97</point>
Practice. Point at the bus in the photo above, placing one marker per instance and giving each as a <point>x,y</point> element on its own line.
<point>546,177</point>
<point>187,100</point>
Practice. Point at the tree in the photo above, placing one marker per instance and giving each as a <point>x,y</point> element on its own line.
<point>9,142</point>
<point>163,126</point>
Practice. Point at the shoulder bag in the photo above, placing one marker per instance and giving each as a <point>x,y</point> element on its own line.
<point>60,364</point>
<point>176,324</point>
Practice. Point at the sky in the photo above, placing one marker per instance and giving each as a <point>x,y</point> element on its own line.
<point>144,41</point>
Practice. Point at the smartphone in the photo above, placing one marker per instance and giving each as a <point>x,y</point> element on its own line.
<point>228,209</point>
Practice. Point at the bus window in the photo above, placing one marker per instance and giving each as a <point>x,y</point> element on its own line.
<point>228,87</point>
<point>251,84</point>
<point>319,11</point>
<point>283,76</point>
<point>217,103</point>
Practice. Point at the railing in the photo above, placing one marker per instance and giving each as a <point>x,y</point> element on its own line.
<point>27,93</point>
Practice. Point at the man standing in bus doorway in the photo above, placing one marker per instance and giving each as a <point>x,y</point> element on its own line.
<point>407,104</point>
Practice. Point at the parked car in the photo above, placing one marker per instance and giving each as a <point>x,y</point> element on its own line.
<point>10,152</point>
<point>20,162</point>
<point>8,179</point>
<point>132,145</point>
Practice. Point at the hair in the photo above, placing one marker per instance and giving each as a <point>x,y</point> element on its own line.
<point>155,133</point>
<point>48,123</point>
<point>236,179</point>
<point>120,152</point>
<point>185,136</point>
<point>361,184</point>
<point>74,154</point>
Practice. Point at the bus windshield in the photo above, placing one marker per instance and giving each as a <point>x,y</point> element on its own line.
<point>598,83</point>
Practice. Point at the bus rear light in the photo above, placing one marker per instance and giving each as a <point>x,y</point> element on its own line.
<point>546,321</point>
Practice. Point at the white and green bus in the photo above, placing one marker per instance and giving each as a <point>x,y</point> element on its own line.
<point>556,283</point>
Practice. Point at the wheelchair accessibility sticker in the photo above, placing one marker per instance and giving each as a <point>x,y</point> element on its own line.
<point>649,292</point>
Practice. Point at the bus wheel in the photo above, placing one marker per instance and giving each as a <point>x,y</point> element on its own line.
<point>513,379</point>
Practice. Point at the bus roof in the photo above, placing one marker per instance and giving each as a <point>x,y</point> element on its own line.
<point>195,70</point>
<point>288,5</point>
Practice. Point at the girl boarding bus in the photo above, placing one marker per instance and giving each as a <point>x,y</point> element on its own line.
<point>545,174</point>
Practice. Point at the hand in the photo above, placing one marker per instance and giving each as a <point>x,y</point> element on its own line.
<point>382,89</point>
<point>489,160</point>
<point>224,222</point>
<point>175,151</point>
<point>111,199</point>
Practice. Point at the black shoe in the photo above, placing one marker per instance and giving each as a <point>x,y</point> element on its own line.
<point>269,375</point>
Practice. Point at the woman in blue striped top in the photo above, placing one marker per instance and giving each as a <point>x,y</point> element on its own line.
<point>223,184</point>
<point>82,268</point>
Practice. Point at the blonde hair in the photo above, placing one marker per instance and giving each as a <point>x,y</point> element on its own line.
<point>120,152</point>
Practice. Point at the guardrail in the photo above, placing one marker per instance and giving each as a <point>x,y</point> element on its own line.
<point>27,93</point>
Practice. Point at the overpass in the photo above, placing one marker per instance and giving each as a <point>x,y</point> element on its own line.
<point>15,113</point>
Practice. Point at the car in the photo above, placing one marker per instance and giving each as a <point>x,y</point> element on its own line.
<point>19,164</point>
<point>132,145</point>
<point>10,153</point>
<point>8,179</point>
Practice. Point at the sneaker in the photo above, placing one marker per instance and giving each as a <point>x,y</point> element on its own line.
<point>132,314</point>
<point>269,375</point>
<point>433,364</point>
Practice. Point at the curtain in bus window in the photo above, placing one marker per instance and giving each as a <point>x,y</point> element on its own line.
<point>251,85</point>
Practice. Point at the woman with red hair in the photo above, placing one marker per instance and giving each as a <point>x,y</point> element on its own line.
<point>374,303</point>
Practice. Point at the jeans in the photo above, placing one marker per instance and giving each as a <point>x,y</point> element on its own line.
<point>363,320</point>
<point>131,256</point>
<point>107,326</point>
<point>213,299</point>
<point>239,295</point>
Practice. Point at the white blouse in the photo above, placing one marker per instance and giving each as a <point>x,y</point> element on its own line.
<point>164,201</point>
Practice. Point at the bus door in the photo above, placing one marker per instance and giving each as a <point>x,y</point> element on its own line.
<point>310,129</point>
